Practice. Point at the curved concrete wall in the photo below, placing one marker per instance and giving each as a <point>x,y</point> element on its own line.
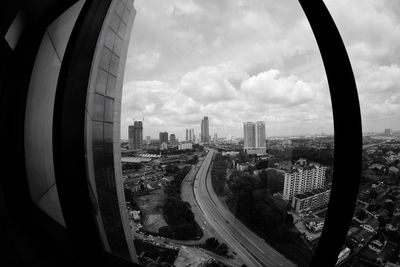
<point>38,138</point>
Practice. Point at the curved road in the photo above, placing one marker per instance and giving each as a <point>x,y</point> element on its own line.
<point>253,250</point>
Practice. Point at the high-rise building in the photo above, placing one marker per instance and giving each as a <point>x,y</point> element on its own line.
<point>172,139</point>
<point>205,133</point>
<point>130,136</point>
<point>303,179</point>
<point>388,132</point>
<point>148,140</point>
<point>254,137</point>
<point>254,134</point>
<point>136,135</point>
<point>215,137</point>
<point>249,134</point>
<point>163,137</point>
<point>260,134</point>
<point>189,134</point>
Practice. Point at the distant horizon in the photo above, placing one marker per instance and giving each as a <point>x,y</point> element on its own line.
<point>156,137</point>
<point>182,135</point>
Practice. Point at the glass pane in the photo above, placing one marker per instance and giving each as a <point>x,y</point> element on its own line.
<point>369,30</point>
<point>227,134</point>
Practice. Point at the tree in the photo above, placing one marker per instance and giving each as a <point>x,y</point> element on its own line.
<point>372,207</point>
<point>262,164</point>
<point>271,179</point>
<point>165,231</point>
<point>243,157</point>
<point>251,169</point>
<point>389,206</point>
<point>222,249</point>
<point>289,219</point>
<point>212,243</point>
<point>172,168</point>
<point>361,214</point>
<point>372,194</point>
<point>382,221</point>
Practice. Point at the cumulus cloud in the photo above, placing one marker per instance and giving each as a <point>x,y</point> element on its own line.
<point>212,83</point>
<point>237,60</point>
<point>145,61</point>
<point>267,87</point>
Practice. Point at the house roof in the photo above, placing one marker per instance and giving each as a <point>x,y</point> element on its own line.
<point>374,223</point>
<point>359,235</point>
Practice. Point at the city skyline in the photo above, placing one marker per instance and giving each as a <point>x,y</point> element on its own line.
<point>181,137</point>
<point>235,61</point>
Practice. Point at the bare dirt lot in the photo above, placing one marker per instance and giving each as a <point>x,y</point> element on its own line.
<point>151,208</point>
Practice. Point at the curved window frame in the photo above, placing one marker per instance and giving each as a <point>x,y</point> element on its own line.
<point>71,136</point>
<point>346,110</point>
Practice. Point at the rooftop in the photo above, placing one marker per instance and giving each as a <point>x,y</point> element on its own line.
<point>312,193</point>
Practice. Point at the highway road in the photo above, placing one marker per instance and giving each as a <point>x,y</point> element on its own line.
<point>372,145</point>
<point>187,194</point>
<point>250,248</point>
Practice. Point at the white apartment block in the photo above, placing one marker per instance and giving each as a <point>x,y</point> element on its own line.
<point>254,134</point>
<point>184,146</point>
<point>311,199</point>
<point>164,146</point>
<point>303,179</point>
<point>190,135</point>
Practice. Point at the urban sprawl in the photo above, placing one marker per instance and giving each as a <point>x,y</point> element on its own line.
<point>254,201</point>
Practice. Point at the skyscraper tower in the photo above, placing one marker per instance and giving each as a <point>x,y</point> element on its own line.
<point>163,137</point>
<point>260,134</point>
<point>135,132</point>
<point>190,134</point>
<point>148,140</point>
<point>205,135</point>
<point>172,139</point>
<point>249,134</point>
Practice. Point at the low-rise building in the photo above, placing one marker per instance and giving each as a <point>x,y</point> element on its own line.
<point>256,151</point>
<point>359,236</point>
<point>344,254</point>
<point>241,167</point>
<point>371,225</point>
<point>315,225</point>
<point>311,199</point>
<point>378,243</point>
<point>189,256</point>
<point>164,146</point>
<point>135,215</point>
<point>393,170</point>
<point>184,146</point>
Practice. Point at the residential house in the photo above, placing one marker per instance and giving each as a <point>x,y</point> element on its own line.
<point>378,243</point>
<point>371,225</point>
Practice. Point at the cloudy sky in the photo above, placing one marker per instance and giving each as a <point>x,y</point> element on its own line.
<point>250,60</point>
